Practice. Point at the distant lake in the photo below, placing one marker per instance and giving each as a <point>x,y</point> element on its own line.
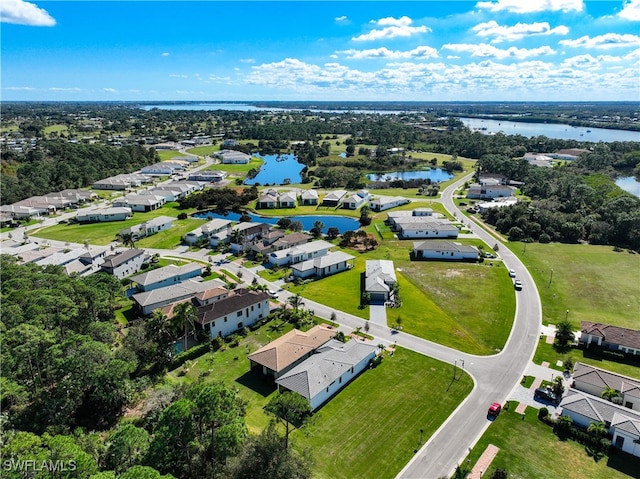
<point>630,185</point>
<point>245,107</point>
<point>276,168</point>
<point>343,223</point>
<point>550,130</point>
<point>434,174</point>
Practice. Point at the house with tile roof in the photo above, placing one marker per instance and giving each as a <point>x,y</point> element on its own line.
<point>326,372</point>
<point>593,380</point>
<point>622,423</point>
<point>612,338</point>
<point>148,301</point>
<point>279,356</point>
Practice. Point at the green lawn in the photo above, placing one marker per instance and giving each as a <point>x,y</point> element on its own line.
<point>372,427</point>
<point>551,354</point>
<point>105,233</point>
<point>594,283</point>
<point>465,306</point>
<point>529,449</point>
<point>205,150</point>
<point>238,170</point>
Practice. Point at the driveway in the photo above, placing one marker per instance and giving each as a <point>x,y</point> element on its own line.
<point>378,314</point>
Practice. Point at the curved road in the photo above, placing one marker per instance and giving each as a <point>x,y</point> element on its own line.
<point>495,377</point>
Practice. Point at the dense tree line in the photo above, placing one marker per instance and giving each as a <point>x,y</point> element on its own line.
<point>571,203</point>
<point>57,165</point>
<point>220,199</point>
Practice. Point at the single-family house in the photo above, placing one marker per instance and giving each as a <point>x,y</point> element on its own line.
<point>483,192</point>
<point>243,234</point>
<point>383,203</point>
<point>116,213</point>
<point>210,176</point>
<point>234,157</point>
<point>595,381</point>
<point>22,212</point>
<point>492,179</point>
<point>496,203</point>
<point>276,240</point>
<point>124,263</point>
<point>380,279</point>
<point>229,142</point>
<point>328,370</point>
<point>280,355</point>
<point>78,196</point>
<point>268,199</point>
<point>568,153</point>
<point>425,227</point>
<point>165,276</point>
<point>331,263</point>
<point>141,202</point>
<point>61,258</point>
<point>612,338</point>
<point>112,184</point>
<point>353,202</point>
<point>287,199</point>
<point>208,230</point>
<point>309,198</point>
<point>161,169</point>
<point>444,250</point>
<point>149,301</point>
<point>298,253</point>
<point>622,423</point>
<point>242,308</point>
<point>148,228</point>
<point>333,198</point>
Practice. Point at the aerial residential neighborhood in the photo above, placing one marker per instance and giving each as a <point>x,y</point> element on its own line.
<point>365,242</point>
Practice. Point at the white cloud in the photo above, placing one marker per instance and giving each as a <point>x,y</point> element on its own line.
<point>165,54</point>
<point>384,52</point>
<point>247,60</point>
<point>518,31</point>
<point>606,41</point>
<point>176,75</point>
<point>392,28</point>
<point>631,10</point>
<point>110,90</point>
<point>519,80</point>
<point>341,19</point>
<point>531,6</point>
<point>65,89</point>
<point>24,13</point>
<point>489,51</point>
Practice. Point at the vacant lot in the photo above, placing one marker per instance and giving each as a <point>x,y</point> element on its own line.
<point>594,283</point>
<point>529,449</point>
<point>465,306</point>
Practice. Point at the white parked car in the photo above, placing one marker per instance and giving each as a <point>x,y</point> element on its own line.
<point>512,273</point>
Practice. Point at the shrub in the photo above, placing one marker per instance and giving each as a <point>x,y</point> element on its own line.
<point>182,216</point>
<point>543,413</point>
<point>544,238</point>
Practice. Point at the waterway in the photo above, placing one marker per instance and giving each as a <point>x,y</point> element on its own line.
<point>550,130</point>
<point>434,174</point>
<point>629,184</point>
<point>343,223</point>
<point>276,169</point>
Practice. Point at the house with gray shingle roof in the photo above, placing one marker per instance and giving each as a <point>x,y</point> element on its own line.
<point>309,197</point>
<point>290,349</point>
<point>622,423</point>
<point>327,371</point>
<point>444,251</point>
<point>594,381</point>
<point>613,338</point>
<point>125,263</point>
<point>331,263</point>
<point>149,301</point>
<point>380,278</point>
<point>165,276</point>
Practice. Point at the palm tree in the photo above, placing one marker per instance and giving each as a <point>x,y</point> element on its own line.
<point>564,332</point>
<point>185,319</point>
<point>296,302</point>
<point>597,429</point>
<point>609,393</point>
<point>237,237</point>
<point>160,331</point>
<point>127,239</point>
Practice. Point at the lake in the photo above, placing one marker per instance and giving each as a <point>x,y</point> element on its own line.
<point>550,130</point>
<point>434,174</point>
<point>276,168</point>
<point>343,223</point>
<point>630,185</point>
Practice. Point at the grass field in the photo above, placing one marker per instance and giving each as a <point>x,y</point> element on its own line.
<point>551,354</point>
<point>461,305</point>
<point>594,283</point>
<point>238,170</point>
<point>529,449</point>
<point>105,233</point>
<point>372,427</point>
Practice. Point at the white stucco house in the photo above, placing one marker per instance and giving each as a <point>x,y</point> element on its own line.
<point>380,279</point>
<point>104,215</point>
<point>298,253</point>
<point>326,372</point>
<point>165,276</point>
<point>383,203</point>
<point>444,251</point>
<point>124,263</point>
<point>331,263</point>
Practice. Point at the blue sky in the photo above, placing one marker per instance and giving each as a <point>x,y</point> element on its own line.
<point>493,50</point>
